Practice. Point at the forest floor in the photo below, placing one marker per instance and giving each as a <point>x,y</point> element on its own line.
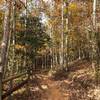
<point>76,84</point>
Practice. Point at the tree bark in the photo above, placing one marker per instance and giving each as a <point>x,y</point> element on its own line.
<point>4,44</point>
<point>95,53</point>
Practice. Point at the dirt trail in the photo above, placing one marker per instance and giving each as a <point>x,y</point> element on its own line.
<point>72,86</point>
<point>76,84</point>
<point>53,91</point>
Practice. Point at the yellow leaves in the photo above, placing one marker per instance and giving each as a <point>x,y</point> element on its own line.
<point>17,46</point>
<point>1,14</point>
<point>65,10</point>
<point>18,25</point>
<point>22,47</point>
<point>73,7</point>
<point>42,50</point>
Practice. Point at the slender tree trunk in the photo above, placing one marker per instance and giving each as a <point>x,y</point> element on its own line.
<point>67,44</point>
<point>6,69</point>
<point>25,51</point>
<point>13,33</point>
<point>51,51</point>
<point>95,55</point>
<point>13,42</point>
<point>93,39</point>
<point>42,62</point>
<point>4,44</point>
<point>62,38</point>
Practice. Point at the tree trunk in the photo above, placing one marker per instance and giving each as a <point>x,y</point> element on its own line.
<point>95,53</point>
<point>13,33</point>
<point>62,38</point>
<point>4,44</point>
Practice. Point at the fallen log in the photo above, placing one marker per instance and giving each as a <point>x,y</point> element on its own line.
<point>9,92</point>
<point>13,77</point>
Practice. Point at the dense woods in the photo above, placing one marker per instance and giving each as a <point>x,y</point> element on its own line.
<point>49,49</point>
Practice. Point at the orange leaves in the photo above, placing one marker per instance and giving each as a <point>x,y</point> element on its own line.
<point>21,47</point>
<point>58,1</point>
<point>1,1</point>
<point>1,14</point>
<point>18,26</point>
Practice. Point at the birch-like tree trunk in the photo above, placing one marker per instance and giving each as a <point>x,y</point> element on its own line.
<point>4,44</point>
<point>25,51</point>
<point>93,39</point>
<point>62,38</point>
<point>13,33</point>
<point>95,55</point>
<point>13,44</point>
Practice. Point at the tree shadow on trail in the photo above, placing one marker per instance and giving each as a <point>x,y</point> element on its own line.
<point>62,73</point>
<point>78,81</point>
<point>74,84</point>
<point>31,91</point>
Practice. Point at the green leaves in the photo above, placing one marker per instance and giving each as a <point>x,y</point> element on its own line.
<point>34,36</point>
